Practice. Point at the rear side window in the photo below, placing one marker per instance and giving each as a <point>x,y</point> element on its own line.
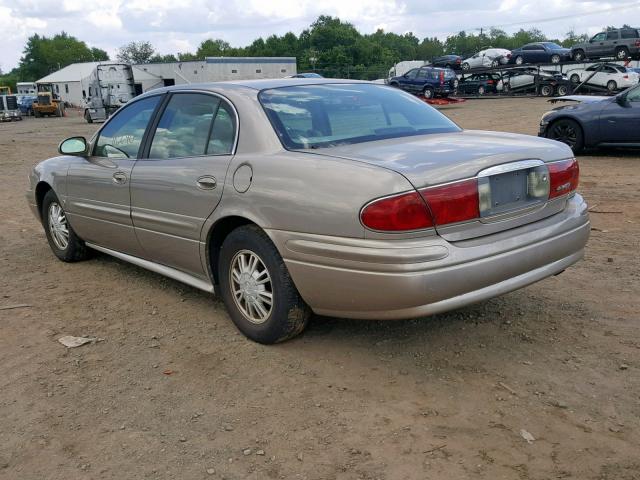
<point>613,35</point>
<point>629,33</point>
<point>122,136</point>
<point>186,128</point>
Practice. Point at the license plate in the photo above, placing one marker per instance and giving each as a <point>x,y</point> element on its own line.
<point>513,190</point>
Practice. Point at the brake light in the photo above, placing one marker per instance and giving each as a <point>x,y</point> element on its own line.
<point>398,213</point>
<point>626,77</point>
<point>489,82</point>
<point>453,202</point>
<point>563,177</point>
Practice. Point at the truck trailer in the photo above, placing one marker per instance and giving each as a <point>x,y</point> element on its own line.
<point>109,86</point>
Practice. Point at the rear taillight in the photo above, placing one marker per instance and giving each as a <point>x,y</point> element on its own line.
<point>489,82</point>
<point>626,77</point>
<point>453,202</point>
<point>563,177</point>
<point>398,213</point>
<point>637,43</point>
<point>441,78</point>
<point>461,201</point>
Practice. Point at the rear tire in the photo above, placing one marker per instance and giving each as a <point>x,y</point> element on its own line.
<point>64,242</point>
<point>578,55</point>
<point>257,289</point>
<point>568,132</point>
<point>466,66</point>
<point>622,53</point>
<point>562,90</point>
<point>575,79</point>
<point>481,90</point>
<point>555,58</point>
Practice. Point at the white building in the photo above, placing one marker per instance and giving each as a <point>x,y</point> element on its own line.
<point>71,82</point>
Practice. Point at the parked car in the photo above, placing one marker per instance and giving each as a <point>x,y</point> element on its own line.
<point>621,44</point>
<point>609,75</point>
<point>479,83</point>
<point>25,103</point>
<point>454,62</point>
<point>340,197</point>
<point>427,81</point>
<point>491,57</point>
<point>595,121</point>
<point>540,52</point>
<point>531,79</point>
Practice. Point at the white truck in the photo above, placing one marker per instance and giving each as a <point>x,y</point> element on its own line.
<point>109,86</point>
<point>401,68</point>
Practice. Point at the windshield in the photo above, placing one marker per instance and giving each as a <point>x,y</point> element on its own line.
<point>315,116</point>
<point>553,46</point>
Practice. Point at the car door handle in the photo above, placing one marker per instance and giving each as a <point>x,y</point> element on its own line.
<point>120,178</point>
<point>207,182</point>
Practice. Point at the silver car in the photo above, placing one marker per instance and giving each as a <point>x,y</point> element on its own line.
<point>293,196</point>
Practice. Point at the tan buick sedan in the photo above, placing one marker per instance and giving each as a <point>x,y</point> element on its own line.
<point>294,196</point>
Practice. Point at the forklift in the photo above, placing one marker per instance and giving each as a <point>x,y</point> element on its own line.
<point>48,102</point>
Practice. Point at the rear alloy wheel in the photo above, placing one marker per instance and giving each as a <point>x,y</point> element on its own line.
<point>622,53</point>
<point>546,90</point>
<point>481,90</point>
<point>612,86</point>
<point>519,60</point>
<point>578,55</point>
<point>555,58</point>
<point>568,132</point>
<point>64,242</point>
<point>428,92</point>
<point>575,79</point>
<point>256,288</point>
<point>466,66</point>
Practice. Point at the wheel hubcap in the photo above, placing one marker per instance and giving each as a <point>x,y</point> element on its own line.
<point>565,134</point>
<point>251,286</point>
<point>58,226</point>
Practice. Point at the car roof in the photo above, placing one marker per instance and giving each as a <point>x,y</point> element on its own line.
<point>262,84</point>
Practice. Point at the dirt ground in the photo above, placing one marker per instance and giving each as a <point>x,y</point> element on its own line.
<point>445,397</point>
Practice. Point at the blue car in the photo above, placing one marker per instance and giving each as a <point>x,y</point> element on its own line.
<point>427,81</point>
<point>540,52</point>
<point>595,121</point>
<point>25,104</point>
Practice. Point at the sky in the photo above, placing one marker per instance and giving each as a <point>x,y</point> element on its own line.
<point>180,26</point>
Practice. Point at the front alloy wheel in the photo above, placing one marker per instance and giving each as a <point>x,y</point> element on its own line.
<point>568,132</point>
<point>58,226</point>
<point>64,242</point>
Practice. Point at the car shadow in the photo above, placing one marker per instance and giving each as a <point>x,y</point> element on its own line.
<point>611,152</point>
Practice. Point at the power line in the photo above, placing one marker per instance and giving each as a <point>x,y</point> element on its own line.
<point>563,17</point>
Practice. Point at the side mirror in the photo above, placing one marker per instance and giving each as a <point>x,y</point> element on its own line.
<point>73,146</point>
<point>621,100</point>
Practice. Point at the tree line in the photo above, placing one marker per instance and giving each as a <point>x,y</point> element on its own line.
<point>329,46</point>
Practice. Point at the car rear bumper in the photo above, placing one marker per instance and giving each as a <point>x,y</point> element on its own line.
<point>376,279</point>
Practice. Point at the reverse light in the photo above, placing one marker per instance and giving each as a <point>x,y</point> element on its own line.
<point>563,177</point>
<point>397,213</point>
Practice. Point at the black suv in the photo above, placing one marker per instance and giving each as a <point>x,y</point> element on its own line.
<point>621,44</point>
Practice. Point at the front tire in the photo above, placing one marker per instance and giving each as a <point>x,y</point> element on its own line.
<point>481,90</point>
<point>519,60</point>
<point>555,58</point>
<point>568,132</point>
<point>546,90</point>
<point>257,289</point>
<point>466,66</point>
<point>612,86</point>
<point>578,55</point>
<point>575,79</point>
<point>428,93</point>
<point>563,90</point>
<point>64,242</point>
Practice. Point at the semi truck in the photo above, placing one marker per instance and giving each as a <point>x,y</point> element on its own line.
<point>109,86</point>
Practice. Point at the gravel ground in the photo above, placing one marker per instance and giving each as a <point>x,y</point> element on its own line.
<point>446,397</point>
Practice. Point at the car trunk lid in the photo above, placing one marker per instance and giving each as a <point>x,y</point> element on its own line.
<point>503,163</point>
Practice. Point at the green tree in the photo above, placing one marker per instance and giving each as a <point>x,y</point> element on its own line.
<point>136,52</point>
<point>157,58</point>
<point>43,55</point>
<point>99,55</point>
<point>213,48</point>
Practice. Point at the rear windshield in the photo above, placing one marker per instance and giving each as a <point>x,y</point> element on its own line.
<point>316,116</point>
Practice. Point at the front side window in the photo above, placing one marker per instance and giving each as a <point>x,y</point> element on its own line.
<point>412,73</point>
<point>122,136</point>
<point>317,116</point>
<point>193,124</point>
<point>599,37</point>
